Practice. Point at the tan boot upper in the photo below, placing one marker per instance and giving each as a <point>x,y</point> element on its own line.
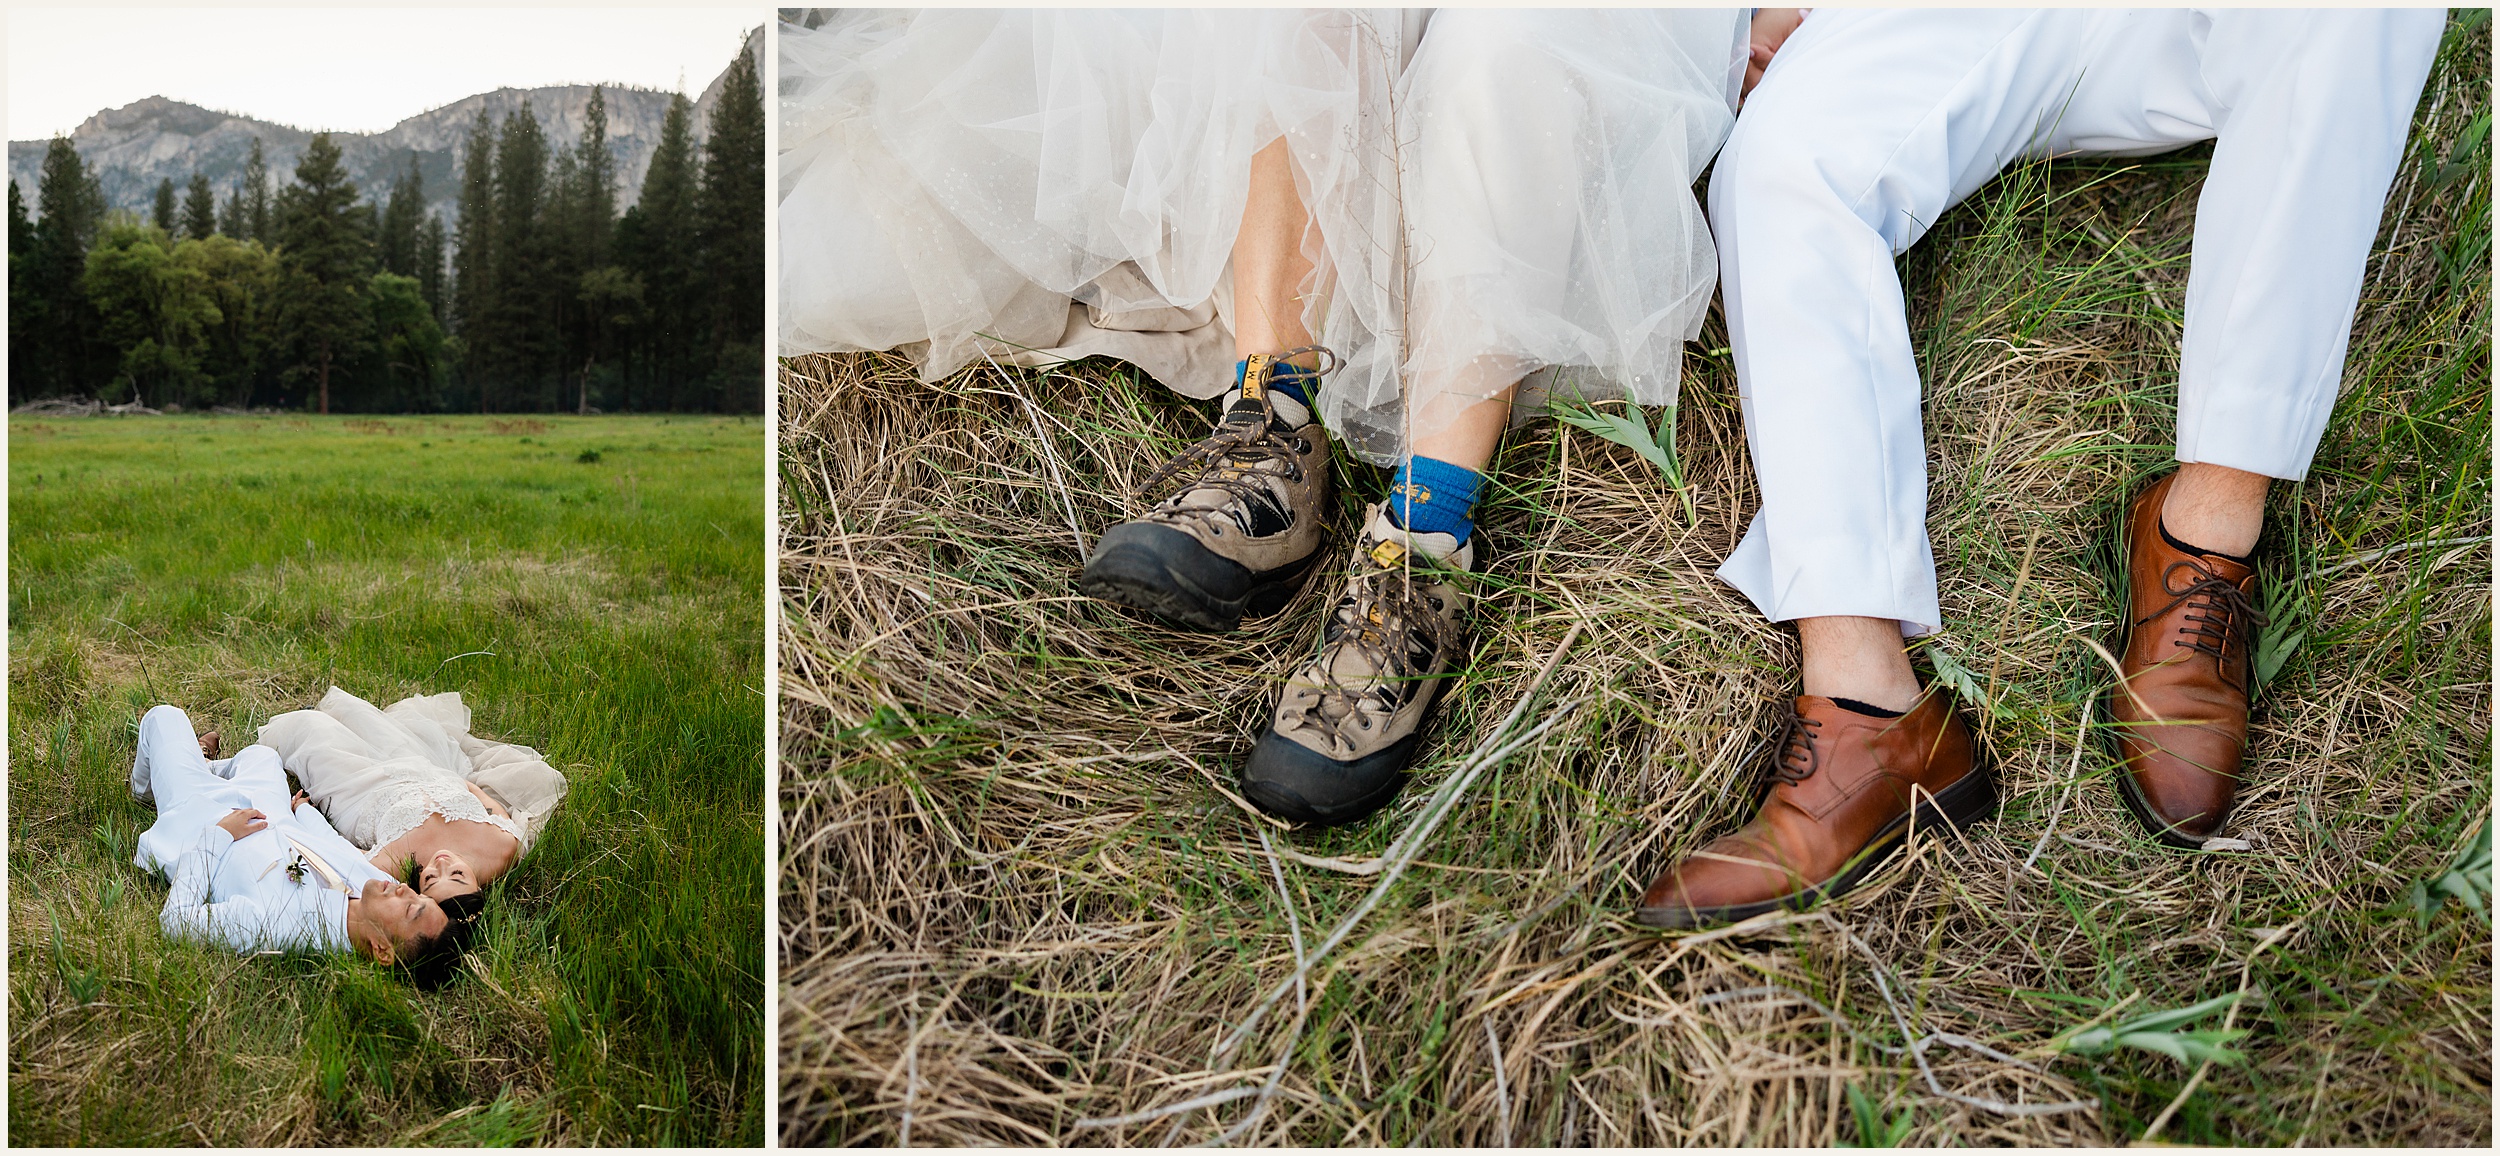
<point>1391,641</point>
<point>1256,490</point>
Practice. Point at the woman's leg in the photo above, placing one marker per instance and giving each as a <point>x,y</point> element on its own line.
<point>1248,509</point>
<point>1269,267</point>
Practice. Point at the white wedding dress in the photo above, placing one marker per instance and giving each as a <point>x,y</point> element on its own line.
<point>1550,156</point>
<point>378,774</point>
<point>1036,186</point>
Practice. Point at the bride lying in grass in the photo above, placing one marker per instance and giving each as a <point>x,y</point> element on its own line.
<point>430,802</point>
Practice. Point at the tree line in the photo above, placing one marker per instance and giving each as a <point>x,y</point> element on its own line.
<point>543,298</point>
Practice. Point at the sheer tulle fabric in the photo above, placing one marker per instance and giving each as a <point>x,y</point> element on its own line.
<point>378,773</point>
<point>1006,183</point>
<point>1550,218</point>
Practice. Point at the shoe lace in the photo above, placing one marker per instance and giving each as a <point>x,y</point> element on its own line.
<point>1796,759</point>
<point>2218,610</point>
<point>1235,459</point>
<point>1379,618</point>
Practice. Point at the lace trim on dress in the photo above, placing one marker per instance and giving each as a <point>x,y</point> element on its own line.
<point>407,809</point>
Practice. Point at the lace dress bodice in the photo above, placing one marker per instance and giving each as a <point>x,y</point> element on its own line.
<point>401,807</point>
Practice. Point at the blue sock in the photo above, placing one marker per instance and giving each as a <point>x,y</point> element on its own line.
<point>1431,496</point>
<point>1286,378</point>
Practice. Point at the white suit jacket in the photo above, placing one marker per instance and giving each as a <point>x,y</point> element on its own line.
<point>238,892</point>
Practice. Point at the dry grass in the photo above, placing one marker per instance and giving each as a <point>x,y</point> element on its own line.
<point>1018,896</point>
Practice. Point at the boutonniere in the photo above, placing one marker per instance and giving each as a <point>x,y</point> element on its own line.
<point>297,870</point>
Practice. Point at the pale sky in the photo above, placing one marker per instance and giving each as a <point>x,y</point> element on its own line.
<point>346,69</point>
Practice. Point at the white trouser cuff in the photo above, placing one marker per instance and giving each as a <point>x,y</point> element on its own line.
<point>1903,589</point>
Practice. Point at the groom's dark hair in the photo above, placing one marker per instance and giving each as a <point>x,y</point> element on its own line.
<point>431,963</point>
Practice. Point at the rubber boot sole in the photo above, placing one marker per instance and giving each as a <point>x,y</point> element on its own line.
<point>1282,777</point>
<point>1170,575</point>
<point>1970,799</point>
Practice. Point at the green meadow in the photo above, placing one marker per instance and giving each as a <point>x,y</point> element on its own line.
<point>592,586</point>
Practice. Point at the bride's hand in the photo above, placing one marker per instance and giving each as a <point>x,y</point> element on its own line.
<point>297,803</point>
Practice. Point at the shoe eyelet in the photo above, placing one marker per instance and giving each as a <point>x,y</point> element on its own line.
<point>1301,445</point>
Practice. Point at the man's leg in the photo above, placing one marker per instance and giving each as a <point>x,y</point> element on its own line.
<point>1248,508</point>
<point>2311,110</point>
<point>257,771</point>
<point>168,768</point>
<point>1866,129</point>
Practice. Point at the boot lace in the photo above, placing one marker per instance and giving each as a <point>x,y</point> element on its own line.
<point>1394,627</point>
<point>1797,759</point>
<point>1238,457</point>
<point>2219,612</point>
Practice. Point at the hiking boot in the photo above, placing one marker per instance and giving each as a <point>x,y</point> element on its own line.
<point>1244,526</point>
<point>2181,704</point>
<point>1347,725</point>
<point>1845,790</point>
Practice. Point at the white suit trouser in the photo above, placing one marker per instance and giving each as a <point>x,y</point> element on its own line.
<point>1871,124</point>
<point>192,792</point>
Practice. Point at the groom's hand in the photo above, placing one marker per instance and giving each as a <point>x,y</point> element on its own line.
<point>244,822</point>
<point>1771,27</point>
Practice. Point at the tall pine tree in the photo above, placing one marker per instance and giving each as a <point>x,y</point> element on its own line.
<point>731,211</point>
<point>199,209</point>
<point>523,260</point>
<point>473,263</point>
<point>60,322</point>
<point>166,222</point>
<point>657,243</point>
<point>595,168</point>
<point>430,263</point>
<point>326,257</point>
<point>255,194</point>
<point>401,219</point>
<point>595,282</point>
<point>21,259</point>
<point>230,216</point>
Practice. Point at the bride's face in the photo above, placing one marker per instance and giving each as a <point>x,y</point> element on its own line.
<point>444,876</point>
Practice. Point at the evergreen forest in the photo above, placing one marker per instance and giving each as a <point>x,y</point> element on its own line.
<point>318,296</point>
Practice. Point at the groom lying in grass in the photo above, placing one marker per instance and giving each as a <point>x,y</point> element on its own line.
<point>256,870</point>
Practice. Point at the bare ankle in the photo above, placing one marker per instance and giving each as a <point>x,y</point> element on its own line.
<point>2216,508</point>
<point>1860,659</point>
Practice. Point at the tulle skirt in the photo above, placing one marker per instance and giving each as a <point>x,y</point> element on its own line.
<point>360,764</point>
<point>1029,185</point>
<point>1035,185</point>
<point>1550,159</point>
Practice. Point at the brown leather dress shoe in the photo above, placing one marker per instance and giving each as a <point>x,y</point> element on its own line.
<point>2181,707</point>
<point>1846,789</point>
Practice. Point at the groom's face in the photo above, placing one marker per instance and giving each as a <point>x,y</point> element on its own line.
<point>400,914</point>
